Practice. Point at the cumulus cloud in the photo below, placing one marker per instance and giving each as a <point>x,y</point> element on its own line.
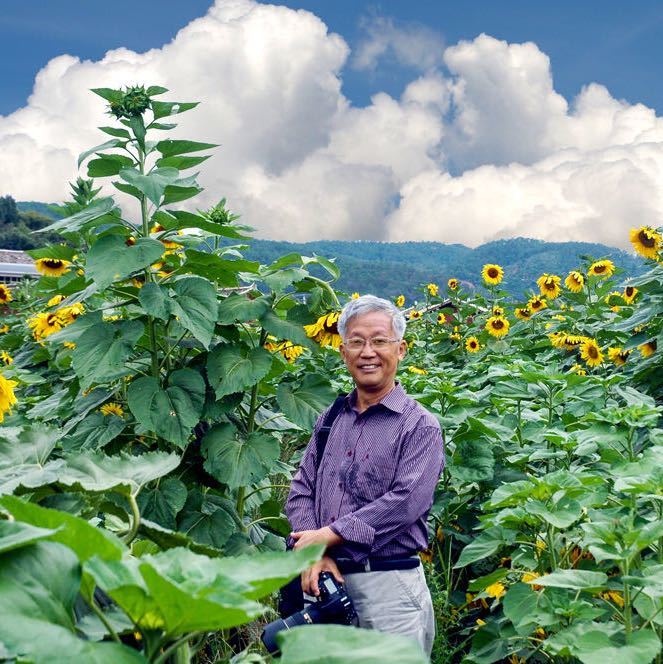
<point>412,45</point>
<point>479,149</point>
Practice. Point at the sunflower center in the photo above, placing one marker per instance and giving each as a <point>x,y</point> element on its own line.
<point>53,263</point>
<point>646,240</point>
<point>599,268</point>
<point>592,352</point>
<point>629,291</point>
<point>498,324</point>
<point>492,273</point>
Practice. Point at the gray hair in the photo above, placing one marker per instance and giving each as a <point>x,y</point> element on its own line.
<point>367,304</point>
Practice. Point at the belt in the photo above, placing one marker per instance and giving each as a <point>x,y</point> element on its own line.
<point>348,566</point>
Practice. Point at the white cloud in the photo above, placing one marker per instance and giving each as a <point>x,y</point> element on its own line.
<point>412,45</point>
<point>488,149</point>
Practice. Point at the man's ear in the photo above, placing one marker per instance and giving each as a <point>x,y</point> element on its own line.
<point>402,349</point>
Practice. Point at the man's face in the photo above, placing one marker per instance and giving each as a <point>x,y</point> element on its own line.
<point>373,370</point>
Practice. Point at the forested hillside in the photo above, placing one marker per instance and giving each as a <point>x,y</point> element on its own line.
<point>383,268</point>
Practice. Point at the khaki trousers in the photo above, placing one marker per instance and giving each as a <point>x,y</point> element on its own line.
<point>395,601</point>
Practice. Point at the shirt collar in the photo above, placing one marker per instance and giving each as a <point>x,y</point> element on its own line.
<point>395,400</point>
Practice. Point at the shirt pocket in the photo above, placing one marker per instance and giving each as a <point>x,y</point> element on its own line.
<point>369,479</point>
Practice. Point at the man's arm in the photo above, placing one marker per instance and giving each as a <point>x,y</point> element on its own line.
<point>410,495</point>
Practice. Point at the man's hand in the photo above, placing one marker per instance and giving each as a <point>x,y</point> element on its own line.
<point>324,536</point>
<point>310,576</point>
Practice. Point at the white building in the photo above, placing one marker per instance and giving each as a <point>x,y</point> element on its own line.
<point>15,266</point>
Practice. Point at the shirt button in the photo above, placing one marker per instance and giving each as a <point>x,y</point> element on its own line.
<point>349,454</point>
<point>333,519</point>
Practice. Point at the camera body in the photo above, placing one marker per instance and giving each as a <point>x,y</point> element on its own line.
<point>333,605</point>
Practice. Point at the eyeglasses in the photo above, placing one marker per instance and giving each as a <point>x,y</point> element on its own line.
<point>377,343</point>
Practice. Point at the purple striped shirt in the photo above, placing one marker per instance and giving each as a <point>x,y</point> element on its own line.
<point>376,480</point>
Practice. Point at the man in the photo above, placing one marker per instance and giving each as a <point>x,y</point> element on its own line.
<point>370,497</point>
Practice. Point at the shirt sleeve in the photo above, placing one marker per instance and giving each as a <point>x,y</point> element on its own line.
<point>409,497</point>
<point>300,506</point>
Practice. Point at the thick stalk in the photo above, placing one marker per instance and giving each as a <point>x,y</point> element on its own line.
<point>100,614</point>
<point>135,520</point>
<point>628,615</point>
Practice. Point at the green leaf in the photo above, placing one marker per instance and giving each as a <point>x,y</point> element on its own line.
<point>113,143</point>
<point>116,131</point>
<point>14,535</point>
<point>210,523</point>
<point>153,184</point>
<point>99,208</point>
<point>110,164</point>
<point>172,412</point>
<point>576,579</point>
<point>102,351</point>
<point>110,259</point>
<point>181,163</point>
<point>81,537</point>
<point>238,460</point>
<point>162,503</point>
<point>562,514</point>
<point>93,432</point>
<point>284,329</point>
<point>196,306</point>
<point>304,403</point>
<point>488,543</point>
<point>520,607</point>
<point>340,644</point>
<point>594,647</point>
<point>124,473</point>
<point>472,461</point>
<point>38,588</point>
<point>23,456</point>
<point>155,301</point>
<point>174,193</point>
<point>171,147</point>
<point>162,109</point>
<point>233,369</point>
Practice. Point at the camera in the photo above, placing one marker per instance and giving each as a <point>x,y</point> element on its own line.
<point>333,605</point>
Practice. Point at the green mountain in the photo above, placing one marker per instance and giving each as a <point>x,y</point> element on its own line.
<point>384,268</point>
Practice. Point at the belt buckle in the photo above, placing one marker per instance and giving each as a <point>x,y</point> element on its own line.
<point>367,565</point>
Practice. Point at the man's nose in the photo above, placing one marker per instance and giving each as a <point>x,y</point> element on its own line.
<point>368,350</point>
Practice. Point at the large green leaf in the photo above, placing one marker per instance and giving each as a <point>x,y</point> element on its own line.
<point>172,412</point>
<point>473,460</point>
<point>24,454</point>
<point>81,537</point>
<point>488,543</point>
<point>237,459</point>
<point>196,306</point>
<point>234,368</point>
<point>92,212</point>
<point>154,184</point>
<point>241,308</point>
<point>562,514</point>
<point>576,579</point>
<point>338,644</point>
<point>304,403</point>
<point>163,503</point>
<point>520,604</point>
<point>124,473</point>
<point>102,351</point>
<point>170,147</point>
<point>38,587</point>
<point>155,301</point>
<point>14,535</point>
<point>284,329</point>
<point>110,259</point>
<point>93,432</point>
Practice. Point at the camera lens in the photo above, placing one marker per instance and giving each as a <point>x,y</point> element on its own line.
<point>268,635</point>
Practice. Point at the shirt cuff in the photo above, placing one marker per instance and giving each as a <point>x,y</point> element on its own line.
<point>354,530</point>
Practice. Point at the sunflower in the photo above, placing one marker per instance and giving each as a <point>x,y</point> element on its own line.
<point>497,311</point>
<point>629,294</point>
<point>617,355</point>
<point>578,369</point>
<point>417,370</point>
<point>574,281</point>
<point>5,294</point>
<point>496,589</point>
<point>591,353</point>
<point>414,314</point>
<point>454,336</point>
<point>169,244</point>
<point>646,241</point>
<point>523,313</point>
<point>112,408</point>
<point>55,300</point>
<point>549,285</point>
<point>572,342</point>
<point>472,345</point>
<point>354,296</point>
<point>44,324</point>
<point>647,349</point>
<point>52,267</point>
<point>138,282</point>
<point>492,274</point>
<point>69,314</point>
<point>287,349</point>
<point>497,326</point>
<point>325,330</point>
<point>452,284</point>
<point>557,339</point>
<point>433,289</point>
<point>537,303</point>
<point>4,329</point>
<point>400,300</point>
<point>441,319</point>
<point>5,357</point>
<point>7,396</point>
<point>601,269</point>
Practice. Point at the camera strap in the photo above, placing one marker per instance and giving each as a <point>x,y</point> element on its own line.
<point>325,429</point>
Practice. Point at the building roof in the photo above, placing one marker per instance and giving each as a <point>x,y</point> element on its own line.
<point>11,256</point>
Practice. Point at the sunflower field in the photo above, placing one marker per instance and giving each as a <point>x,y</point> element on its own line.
<point>157,390</point>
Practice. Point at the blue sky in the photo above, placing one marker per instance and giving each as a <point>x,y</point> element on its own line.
<point>392,120</point>
<point>612,42</point>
